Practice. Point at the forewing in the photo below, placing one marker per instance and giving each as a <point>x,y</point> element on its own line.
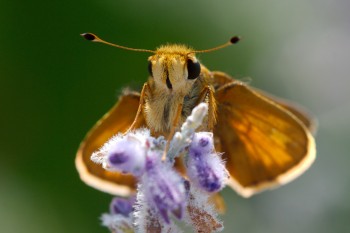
<point>264,144</point>
<point>302,114</point>
<point>221,79</point>
<point>117,120</point>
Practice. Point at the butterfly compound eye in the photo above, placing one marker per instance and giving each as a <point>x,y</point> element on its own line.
<point>193,69</point>
<point>150,68</point>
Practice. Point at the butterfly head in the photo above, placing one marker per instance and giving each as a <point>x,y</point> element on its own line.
<point>174,67</point>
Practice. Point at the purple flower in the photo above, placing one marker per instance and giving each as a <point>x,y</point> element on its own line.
<point>164,189</point>
<point>122,206</point>
<point>162,193</point>
<point>120,218</point>
<point>202,143</point>
<point>204,167</point>
<point>127,155</point>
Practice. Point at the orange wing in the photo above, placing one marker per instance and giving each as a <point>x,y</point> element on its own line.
<point>264,144</point>
<point>117,120</point>
<point>298,111</point>
<point>220,79</point>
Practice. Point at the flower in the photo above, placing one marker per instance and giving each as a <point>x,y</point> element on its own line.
<point>200,213</point>
<point>128,156</point>
<point>124,153</point>
<point>164,188</point>
<point>204,167</point>
<point>162,193</point>
<point>120,219</point>
<point>122,206</point>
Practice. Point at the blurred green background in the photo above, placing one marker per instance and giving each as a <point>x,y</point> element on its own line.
<point>55,86</point>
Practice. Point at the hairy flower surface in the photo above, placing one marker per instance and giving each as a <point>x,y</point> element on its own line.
<point>200,213</point>
<point>147,219</point>
<point>204,167</point>
<point>120,218</point>
<point>122,206</point>
<point>127,156</point>
<point>164,189</point>
<point>124,153</point>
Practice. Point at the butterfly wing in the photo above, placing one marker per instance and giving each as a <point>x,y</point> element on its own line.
<point>264,144</point>
<point>298,111</point>
<point>221,78</point>
<point>117,120</point>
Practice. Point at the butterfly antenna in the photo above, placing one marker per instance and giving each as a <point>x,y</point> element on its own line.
<point>92,37</point>
<point>233,40</point>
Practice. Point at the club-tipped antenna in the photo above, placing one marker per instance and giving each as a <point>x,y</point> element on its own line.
<point>92,37</point>
<point>233,40</point>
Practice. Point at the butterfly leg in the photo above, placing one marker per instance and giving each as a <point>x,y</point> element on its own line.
<point>172,130</point>
<point>207,96</point>
<point>144,93</point>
